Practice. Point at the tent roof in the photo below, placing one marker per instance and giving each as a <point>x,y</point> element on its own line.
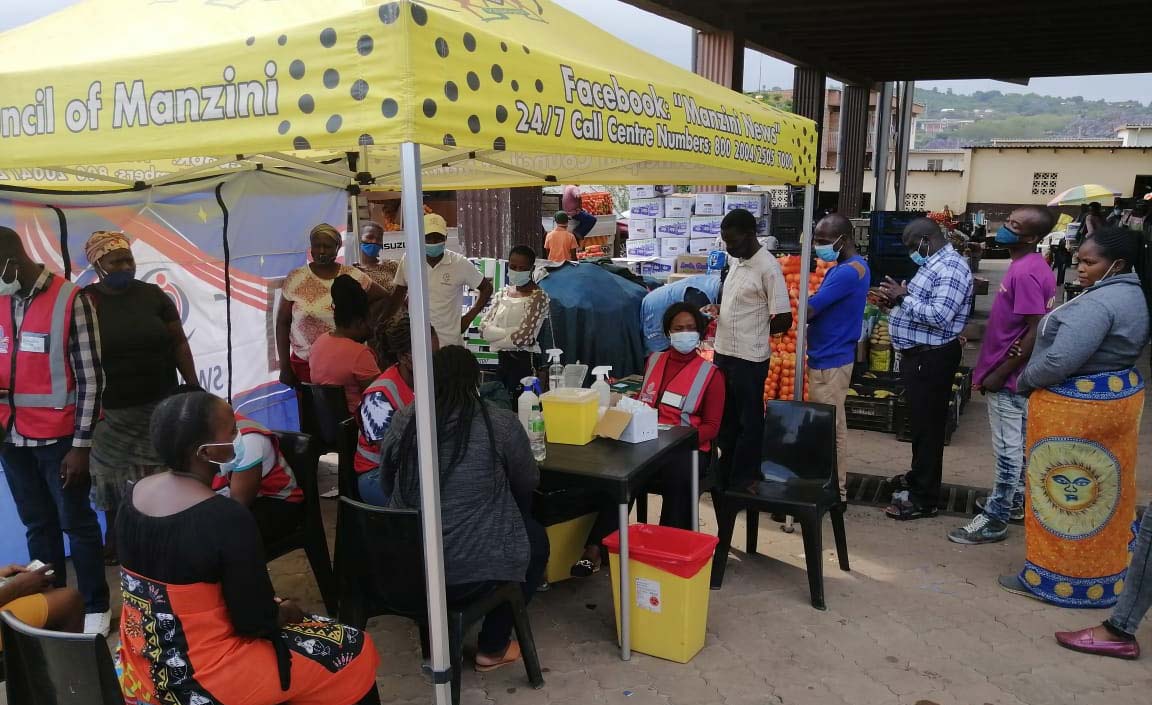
<point>510,93</point>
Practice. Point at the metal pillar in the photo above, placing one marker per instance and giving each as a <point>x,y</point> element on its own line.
<point>882,158</point>
<point>802,304</point>
<point>718,57</point>
<point>904,141</point>
<point>412,203</point>
<point>853,146</point>
<point>808,95</point>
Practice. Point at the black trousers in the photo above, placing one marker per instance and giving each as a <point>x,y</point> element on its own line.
<point>675,486</point>
<point>742,429</point>
<point>514,366</point>
<point>928,379</point>
<point>496,631</point>
<point>1060,263</point>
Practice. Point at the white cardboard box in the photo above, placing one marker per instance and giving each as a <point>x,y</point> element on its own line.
<point>659,268</point>
<point>672,227</point>
<point>673,246</point>
<point>648,247</point>
<point>678,206</point>
<point>705,226</point>
<point>644,426</point>
<point>641,192</point>
<point>692,264</point>
<point>646,208</point>
<point>634,264</point>
<point>709,204</point>
<point>701,245</point>
<point>763,227</point>
<point>641,228</point>
<point>751,202</point>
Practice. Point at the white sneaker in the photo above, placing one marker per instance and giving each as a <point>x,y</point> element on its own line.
<point>98,623</point>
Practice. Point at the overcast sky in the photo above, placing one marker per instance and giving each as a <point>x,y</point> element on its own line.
<point>672,42</point>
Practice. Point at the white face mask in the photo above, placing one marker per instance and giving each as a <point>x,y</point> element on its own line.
<point>9,288</point>
<point>684,342</point>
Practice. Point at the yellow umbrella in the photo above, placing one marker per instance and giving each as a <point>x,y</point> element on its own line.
<point>1086,193</point>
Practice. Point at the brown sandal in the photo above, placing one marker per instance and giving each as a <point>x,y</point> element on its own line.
<point>510,655</point>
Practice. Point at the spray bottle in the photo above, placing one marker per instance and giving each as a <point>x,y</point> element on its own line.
<point>555,370</point>
<point>600,386</point>
<point>529,400</point>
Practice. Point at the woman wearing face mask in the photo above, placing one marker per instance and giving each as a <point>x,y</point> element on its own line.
<point>512,324</point>
<point>686,390</point>
<point>388,393</point>
<point>142,347</point>
<point>305,311</point>
<point>340,357</point>
<point>201,622</point>
<point>1083,423</point>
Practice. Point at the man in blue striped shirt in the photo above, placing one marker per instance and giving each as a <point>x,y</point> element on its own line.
<point>927,317</point>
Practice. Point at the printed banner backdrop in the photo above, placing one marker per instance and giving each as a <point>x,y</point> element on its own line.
<point>508,92</point>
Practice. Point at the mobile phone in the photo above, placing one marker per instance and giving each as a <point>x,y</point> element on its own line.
<point>37,565</point>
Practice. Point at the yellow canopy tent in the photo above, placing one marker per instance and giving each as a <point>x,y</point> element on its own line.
<point>443,94</point>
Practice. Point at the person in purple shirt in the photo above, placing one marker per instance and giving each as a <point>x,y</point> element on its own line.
<point>1025,295</point>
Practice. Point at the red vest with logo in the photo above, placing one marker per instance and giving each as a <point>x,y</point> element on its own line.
<point>38,373</point>
<point>278,482</point>
<point>399,395</point>
<point>690,383</point>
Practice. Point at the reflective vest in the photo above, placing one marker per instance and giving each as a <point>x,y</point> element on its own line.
<point>42,397</point>
<point>278,482</point>
<point>689,383</point>
<point>399,395</point>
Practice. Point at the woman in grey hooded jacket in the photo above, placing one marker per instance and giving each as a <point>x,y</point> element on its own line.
<point>1083,421</point>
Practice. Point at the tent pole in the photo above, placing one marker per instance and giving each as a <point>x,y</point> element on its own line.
<point>412,204</point>
<point>352,237</point>
<point>802,304</point>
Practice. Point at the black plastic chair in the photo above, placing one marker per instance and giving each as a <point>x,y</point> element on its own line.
<point>322,409</point>
<point>57,668</point>
<point>381,572</point>
<point>346,478</point>
<point>303,458</point>
<point>800,443</point>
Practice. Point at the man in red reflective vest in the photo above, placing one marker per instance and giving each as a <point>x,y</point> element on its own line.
<point>50,383</point>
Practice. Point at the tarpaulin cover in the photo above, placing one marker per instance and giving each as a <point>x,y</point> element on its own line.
<point>595,318</point>
<point>674,551</point>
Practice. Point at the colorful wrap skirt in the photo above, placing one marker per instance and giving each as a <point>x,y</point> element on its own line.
<point>177,647</point>
<point>1081,497</point>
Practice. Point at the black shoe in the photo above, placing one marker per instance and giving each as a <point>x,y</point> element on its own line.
<point>903,509</point>
<point>1015,517</point>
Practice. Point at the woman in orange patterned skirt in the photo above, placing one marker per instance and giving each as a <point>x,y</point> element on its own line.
<point>1084,413</point>
<point>201,624</point>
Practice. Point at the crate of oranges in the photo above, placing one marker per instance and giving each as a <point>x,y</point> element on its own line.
<point>780,383</point>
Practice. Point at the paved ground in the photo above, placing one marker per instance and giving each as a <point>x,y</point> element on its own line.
<point>918,621</point>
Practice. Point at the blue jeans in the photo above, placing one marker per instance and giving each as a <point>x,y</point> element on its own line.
<point>585,221</point>
<point>1134,602</point>
<point>48,511</point>
<point>371,491</point>
<point>1008,417</point>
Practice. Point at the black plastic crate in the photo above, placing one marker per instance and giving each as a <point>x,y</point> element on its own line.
<point>871,414</point>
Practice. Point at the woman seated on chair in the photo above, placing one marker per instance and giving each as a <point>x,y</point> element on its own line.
<point>391,392</point>
<point>31,598</point>
<point>686,390</point>
<point>201,623</point>
<point>340,358</point>
<point>487,475</point>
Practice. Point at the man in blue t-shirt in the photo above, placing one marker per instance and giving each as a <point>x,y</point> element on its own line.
<point>835,316</point>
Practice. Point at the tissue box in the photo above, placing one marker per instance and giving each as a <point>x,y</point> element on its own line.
<point>678,206</point>
<point>672,227</point>
<point>644,426</point>
<point>751,202</point>
<point>641,228</point>
<point>646,208</point>
<point>641,248</point>
<point>701,246</point>
<point>692,264</point>
<point>704,226</point>
<point>673,246</point>
<point>709,204</point>
<point>658,268</point>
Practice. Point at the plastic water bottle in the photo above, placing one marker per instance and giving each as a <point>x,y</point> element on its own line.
<point>536,434</point>
<point>555,370</point>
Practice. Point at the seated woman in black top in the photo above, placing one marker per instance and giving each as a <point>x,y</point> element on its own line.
<point>201,623</point>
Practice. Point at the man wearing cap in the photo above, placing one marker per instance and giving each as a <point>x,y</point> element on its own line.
<point>448,273</point>
<point>560,243</point>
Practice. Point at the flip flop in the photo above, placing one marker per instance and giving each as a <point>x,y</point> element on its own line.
<point>511,655</point>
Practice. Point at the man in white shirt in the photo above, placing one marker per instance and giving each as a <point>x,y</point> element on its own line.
<point>753,306</point>
<point>448,274</point>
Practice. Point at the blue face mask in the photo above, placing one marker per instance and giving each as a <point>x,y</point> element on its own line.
<point>119,280</point>
<point>237,460</point>
<point>684,342</point>
<point>435,250</point>
<point>827,253</point>
<point>1005,236</point>
<point>917,258</point>
<point>519,278</point>
<point>371,249</point>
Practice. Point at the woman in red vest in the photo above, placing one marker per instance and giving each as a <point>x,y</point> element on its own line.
<point>686,390</point>
<point>389,393</point>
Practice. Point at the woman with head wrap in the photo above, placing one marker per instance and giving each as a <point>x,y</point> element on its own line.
<point>143,346</point>
<point>305,311</point>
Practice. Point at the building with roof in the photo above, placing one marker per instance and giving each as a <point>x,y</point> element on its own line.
<point>1135,135</point>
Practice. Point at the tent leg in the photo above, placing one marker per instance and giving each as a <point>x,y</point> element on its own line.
<point>802,307</point>
<point>413,204</point>
<point>352,238</point>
